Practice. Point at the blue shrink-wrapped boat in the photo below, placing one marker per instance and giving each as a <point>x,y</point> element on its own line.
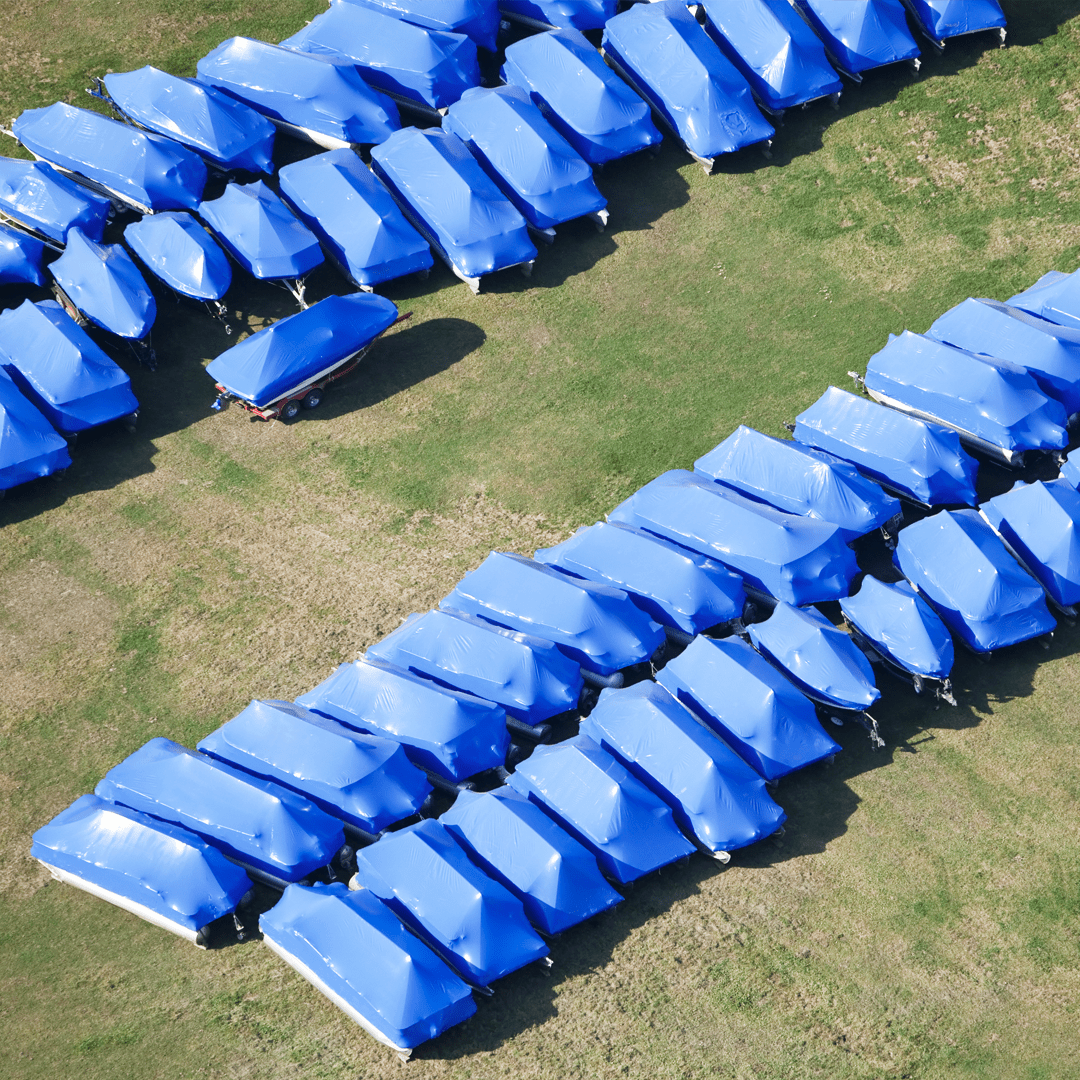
<point>679,588</point>
<point>38,198</point>
<point>940,20</point>
<point>1054,297</point>
<point>717,798</point>
<point>164,874</point>
<point>994,406</point>
<point>777,53</point>
<point>514,842</point>
<point>476,924</point>
<point>479,19</point>
<point>908,457</point>
<point>527,675</point>
<point>770,724</point>
<point>367,782</point>
<point>354,218</point>
<point>598,626</point>
<point>1070,470</point>
<point>452,733</point>
<point>223,131</point>
<point>800,480</point>
<point>454,204</point>
<point>63,373</point>
<point>537,169</point>
<point>665,55</point>
<point>353,949</point>
<point>860,35</point>
<point>29,446</point>
<point>586,791</point>
<point>585,101</point>
<point>957,561</point>
<point>311,97</point>
<point>559,14</point>
<point>143,171</point>
<point>268,829</point>
<point>792,558</point>
<point>20,258</point>
<point>415,66</point>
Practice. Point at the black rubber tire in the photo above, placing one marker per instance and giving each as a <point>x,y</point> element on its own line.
<point>313,399</point>
<point>290,410</point>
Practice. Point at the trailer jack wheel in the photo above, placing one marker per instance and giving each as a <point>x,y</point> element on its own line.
<point>290,410</point>
<point>313,399</point>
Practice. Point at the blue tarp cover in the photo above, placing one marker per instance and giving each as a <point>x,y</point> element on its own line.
<point>1070,470</point>
<point>943,19</point>
<point>990,399</point>
<point>301,348</point>
<point>1055,297</point>
<point>452,733</point>
<point>354,217</point>
<point>475,923</point>
<point>29,447</point>
<point>598,626</point>
<point>902,626</point>
<point>527,675</point>
<point>20,258</point>
<point>326,101</point>
<point>961,566</point>
<point>923,461</point>
<point>259,823</point>
<point>182,253</point>
<point>477,18</point>
<point>513,841</point>
<point>688,80</point>
<point>157,870</point>
<point>822,661</point>
<point>200,117</point>
<point>861,34</point>
<point>800,480</point>
<point>361,779</point>
<point>630,830</point>
<point>430,67</point>
<point>147,171</point>
<point>353,949</point>
<point>793,558</point>
<point>715,795</point>
<point>563,14</point>
<point>104,283</point>
<point>63,372</point>
<point>540,172</point>
<point>749,704</point>
<point>676,586</point>
<point>454,202</point>
<point>35,194</point>
<point>593,109</point>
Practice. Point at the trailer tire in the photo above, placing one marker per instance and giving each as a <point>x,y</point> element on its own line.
<point>313,399</point>
<point>290,410</point>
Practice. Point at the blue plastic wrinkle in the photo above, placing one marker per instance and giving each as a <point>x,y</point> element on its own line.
<point>139,168</point>
<point>1070,470</point>
<point>457,207</point>
<point>354,218</point>
<point>432,68</point>
<point>796,559</point>
<point>924,462</point>
<point>561,14</point>
<point>103,282</point>
<point>476,924</point>
<point>984,399</point>
<point>258,823</point>
<point>352,948</point>
<point>29,446</point>
<point>957,561</point>
<point>755,709</point>
<point>312,96</point>
<point>447,731</point>
<point>598,626</point>
<point>479,19</point>
<point>586,791</point>
<point>717,798</point>
<point>1054,297</point>
<point>41,198</point>
<point>365,781</point>
<point>179,251</point>
<point>799,480</point>
<point>527,675</point>
<point>584,100</point>
<point>217,127</point>
<point>514,842</point>
<point>60,369</point>
<point>681,71</point>
<point>860,34</point>
<point>942,19</point>
<point>300,349</point>
<point>676,586</point>
<point>901,626</point>
<point>821,660</point>
<point>537,169</point>
<point>161,872</point>
<point>20,258</point>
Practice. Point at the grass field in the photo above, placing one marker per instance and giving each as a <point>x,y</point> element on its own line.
<point>921,916</point>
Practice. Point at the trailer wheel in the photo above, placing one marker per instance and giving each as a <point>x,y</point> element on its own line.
<point>290,410</point>
<point>313,399</point>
